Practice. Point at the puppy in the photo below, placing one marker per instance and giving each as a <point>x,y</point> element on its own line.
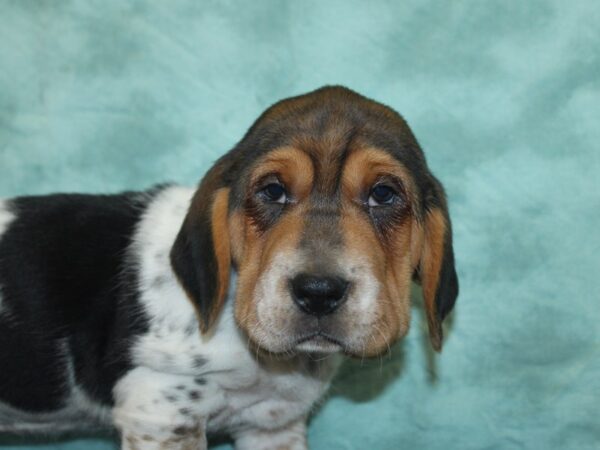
<point>174,313</point>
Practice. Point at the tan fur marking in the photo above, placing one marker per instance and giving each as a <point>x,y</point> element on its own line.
<point>259,253</point>
<point>416,244</point>
<point>220,233</point>
<point>254,251</point>
<point>237,236</point>
<point>431,263</point>
<point>365,165</point>
<point>390,262</point>
<point>257,249</point>
<point>292,165</point>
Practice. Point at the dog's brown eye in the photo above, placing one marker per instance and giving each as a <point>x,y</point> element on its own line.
<point>275,193</point>
<point>382,195</point>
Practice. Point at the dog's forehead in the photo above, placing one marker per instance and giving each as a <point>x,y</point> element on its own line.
<point>327,124</point>
<point>332,117</point>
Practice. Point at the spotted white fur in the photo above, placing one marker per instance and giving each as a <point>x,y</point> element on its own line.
<point>187,381</point>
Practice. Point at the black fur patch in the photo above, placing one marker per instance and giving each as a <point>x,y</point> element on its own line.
<point>69,296</point>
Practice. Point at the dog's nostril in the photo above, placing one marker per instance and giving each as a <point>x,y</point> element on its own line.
<point>318,295</point>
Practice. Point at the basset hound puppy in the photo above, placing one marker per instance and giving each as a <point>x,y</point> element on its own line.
<point>173,313</point>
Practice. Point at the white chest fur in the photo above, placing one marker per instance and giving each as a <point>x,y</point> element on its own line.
<point>183,378</point>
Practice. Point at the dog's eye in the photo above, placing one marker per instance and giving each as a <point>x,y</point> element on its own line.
<point>381,195</point>
<point>275,193</point>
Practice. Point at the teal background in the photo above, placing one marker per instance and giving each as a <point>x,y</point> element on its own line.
<point>504,97</point>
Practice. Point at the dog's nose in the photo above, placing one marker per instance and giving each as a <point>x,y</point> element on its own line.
<point>318,295</point>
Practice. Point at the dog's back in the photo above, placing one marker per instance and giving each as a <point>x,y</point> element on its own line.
<point>63,287</point>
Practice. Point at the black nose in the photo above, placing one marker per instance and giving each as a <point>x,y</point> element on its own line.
<point>318,295</point>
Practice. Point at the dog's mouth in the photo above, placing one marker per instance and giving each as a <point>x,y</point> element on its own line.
<point>319,342</point>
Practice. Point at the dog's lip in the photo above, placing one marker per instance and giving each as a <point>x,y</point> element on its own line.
<point>321,339</point>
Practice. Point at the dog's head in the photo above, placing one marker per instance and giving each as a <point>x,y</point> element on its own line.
<point>327,211</point>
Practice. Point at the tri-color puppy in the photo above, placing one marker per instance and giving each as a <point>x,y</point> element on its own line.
<point>172,313</point>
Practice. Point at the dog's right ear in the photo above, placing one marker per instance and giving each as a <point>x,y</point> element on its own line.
<point>200,256</point>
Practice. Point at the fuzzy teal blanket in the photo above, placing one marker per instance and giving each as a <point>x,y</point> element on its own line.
<point>504,96</point>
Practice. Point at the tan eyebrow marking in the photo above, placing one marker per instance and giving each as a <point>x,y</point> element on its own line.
<point>291,164</point>
<point>364,166</point>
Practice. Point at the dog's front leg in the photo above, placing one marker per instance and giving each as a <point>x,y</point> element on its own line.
<point>157,411</point>
<point>291,437</point>
<point>153,438</point>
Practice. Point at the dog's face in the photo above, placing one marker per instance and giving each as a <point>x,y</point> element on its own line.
<point>327,211</point>
<point>322,244</point>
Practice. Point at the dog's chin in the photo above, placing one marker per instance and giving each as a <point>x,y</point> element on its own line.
<point>319,343</point>
<point>319,340</point>
<point>314,343</point>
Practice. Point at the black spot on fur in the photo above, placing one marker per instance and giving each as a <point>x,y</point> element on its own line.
<point>159,281</point>
<point>195,395</point>
<point>191,328</point>
<point>200,381</point>
<point>199,361</point>
<point>182,430</point>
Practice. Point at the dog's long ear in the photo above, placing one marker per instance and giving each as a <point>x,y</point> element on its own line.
<point>200,256</point>
<point>436,270</point>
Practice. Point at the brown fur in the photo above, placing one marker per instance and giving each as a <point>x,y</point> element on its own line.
<point>258,254</point>
<point>430,266</point>
<point>390,257</point>
<point>328,149</point>
<point>220,232</point>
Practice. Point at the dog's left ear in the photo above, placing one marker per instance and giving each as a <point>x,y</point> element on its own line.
<point>436,270</point>
<point>200,256</point>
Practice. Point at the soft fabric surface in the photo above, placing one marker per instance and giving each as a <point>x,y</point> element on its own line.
<point>504,98</point>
